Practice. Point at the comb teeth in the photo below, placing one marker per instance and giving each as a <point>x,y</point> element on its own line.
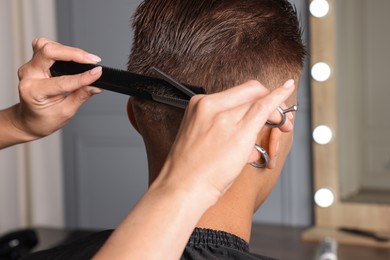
<point>173,82</point>
<point>176,102</point>
<point>131,84</point>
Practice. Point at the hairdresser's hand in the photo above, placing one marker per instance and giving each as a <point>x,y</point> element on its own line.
<point>47,103</point>
<point>217,136</point>
<point>215,141</point>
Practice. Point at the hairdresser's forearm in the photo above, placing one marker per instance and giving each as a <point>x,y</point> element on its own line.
<point>158,227</point>
<point>10,132</point>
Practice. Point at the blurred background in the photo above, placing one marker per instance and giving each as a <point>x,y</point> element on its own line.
<point>90,174</point>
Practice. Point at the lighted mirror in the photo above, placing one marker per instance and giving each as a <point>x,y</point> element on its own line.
<point>350,117</point>
<point>363,91</point>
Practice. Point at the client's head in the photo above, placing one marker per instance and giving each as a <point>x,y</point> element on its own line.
<point>216,44</point>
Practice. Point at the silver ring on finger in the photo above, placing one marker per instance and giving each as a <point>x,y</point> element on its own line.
<point>284,118</point>
<point>264,154</point>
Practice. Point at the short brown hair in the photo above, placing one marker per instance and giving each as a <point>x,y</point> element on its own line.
<point>216,44</point>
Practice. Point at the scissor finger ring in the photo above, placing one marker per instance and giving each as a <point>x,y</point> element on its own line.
<point>264,153</point>
<point>283,114</point>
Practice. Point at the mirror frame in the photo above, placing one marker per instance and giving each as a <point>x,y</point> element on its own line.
<point>373,217</point>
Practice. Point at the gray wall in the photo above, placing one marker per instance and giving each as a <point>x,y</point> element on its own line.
<point>105,162</point>
<point>291,201</point>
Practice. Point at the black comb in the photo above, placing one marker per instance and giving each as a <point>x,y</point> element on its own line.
<point>133,84</point>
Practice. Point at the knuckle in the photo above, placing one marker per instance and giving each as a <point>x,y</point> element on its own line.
<point>196,98</point>
<point>194,101</point>
<point>21,72</point>
<point>205,104</point>
<point>25,86</point>
<point>39,42</point>
<point>47,49</point>
<point>28,92</point>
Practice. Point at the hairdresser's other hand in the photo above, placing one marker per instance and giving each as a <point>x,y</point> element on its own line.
<point>217,136</point>
<point>47,103</point>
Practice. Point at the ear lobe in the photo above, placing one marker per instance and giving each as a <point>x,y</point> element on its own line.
<point>130,115</point>
<point>273,147</point>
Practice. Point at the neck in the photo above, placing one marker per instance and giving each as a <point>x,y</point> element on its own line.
<point>234,210</point>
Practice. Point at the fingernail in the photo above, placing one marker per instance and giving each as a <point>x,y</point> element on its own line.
<point>289,83</point>
<point>94,90</point>
<point>95,70</point>
<point>93,57</point>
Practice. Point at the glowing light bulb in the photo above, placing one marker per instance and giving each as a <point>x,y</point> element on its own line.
<point>322,134</point>
<point>320,71</point>
<point>319,8</point>
<point>324,198</point>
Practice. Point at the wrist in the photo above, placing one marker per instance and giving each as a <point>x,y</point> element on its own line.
<point>16,128</point>
<point>26,123</point>
<point>189,185</point>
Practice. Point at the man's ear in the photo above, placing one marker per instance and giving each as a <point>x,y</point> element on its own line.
<point>273,147</point>
<point>130,115</point>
